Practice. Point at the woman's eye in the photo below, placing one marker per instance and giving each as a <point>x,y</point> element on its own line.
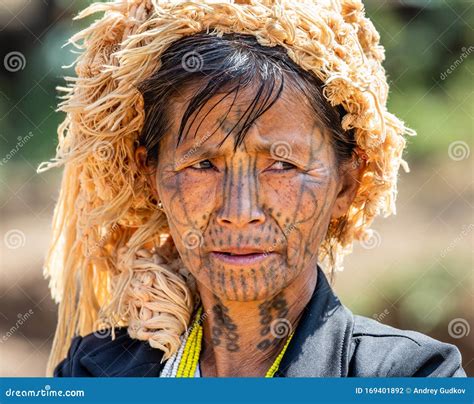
<point>202,165</point>
<point>282,165</point>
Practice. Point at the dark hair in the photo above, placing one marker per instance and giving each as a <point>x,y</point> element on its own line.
<point>225,65</point>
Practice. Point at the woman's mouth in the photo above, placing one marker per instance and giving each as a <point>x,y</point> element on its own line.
<point>241,256</point>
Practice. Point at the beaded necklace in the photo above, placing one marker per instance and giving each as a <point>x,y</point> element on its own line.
<point>185,361</point>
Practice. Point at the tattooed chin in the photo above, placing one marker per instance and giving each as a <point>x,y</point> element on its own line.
<point>244,275</point>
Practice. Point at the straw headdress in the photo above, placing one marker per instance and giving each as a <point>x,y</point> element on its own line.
<point>107,264</point>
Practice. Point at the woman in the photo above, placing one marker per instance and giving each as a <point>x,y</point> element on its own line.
<point>217,155</point>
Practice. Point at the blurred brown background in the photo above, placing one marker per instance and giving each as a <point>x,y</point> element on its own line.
<point>417,271</point>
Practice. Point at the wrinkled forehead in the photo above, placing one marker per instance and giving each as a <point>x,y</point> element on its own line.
<point>215,125</point>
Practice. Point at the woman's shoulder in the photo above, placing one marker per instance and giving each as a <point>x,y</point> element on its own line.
<point>380,349</point>
<point>372,349</point>
<point>108,354</point>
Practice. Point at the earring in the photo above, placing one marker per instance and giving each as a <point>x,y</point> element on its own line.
<point>160,206</point>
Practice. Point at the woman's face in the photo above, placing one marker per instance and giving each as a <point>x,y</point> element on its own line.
<point>247,222</point>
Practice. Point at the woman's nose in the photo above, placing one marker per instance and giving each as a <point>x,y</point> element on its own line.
<point>234,218</point>
<point>240,201</point>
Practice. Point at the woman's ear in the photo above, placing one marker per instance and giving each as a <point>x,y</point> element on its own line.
<point>351,173</point>
<point>148,171</point>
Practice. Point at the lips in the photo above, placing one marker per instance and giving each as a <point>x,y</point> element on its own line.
<point>241,256</point>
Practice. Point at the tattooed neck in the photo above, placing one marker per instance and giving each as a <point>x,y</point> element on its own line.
<point>224,330</point>
<point>274,324</point>
<point>244,338</point>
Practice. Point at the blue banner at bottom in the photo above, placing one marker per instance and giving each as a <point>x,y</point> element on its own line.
<point>237,390</point>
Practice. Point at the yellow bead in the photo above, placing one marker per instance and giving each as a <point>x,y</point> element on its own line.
<point>192,350</point>
<point>187,364</point>
<point>278,359</point>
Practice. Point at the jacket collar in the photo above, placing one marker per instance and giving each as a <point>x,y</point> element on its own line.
<point>321,342</point>
<point>319,347</point>
<point>123,356</point>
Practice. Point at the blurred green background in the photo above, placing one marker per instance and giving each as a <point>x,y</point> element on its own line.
<point>417,271</point>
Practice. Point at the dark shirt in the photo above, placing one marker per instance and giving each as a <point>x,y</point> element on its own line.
<point>329,341</point>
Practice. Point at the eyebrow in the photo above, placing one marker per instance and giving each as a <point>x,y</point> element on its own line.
<point>195,152</point>
<point>296,149</point>
<point>200,149</point>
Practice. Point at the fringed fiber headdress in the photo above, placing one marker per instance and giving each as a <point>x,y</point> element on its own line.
<point>107,263</point>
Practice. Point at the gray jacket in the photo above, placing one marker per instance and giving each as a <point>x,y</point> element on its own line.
<point>329,342</point>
